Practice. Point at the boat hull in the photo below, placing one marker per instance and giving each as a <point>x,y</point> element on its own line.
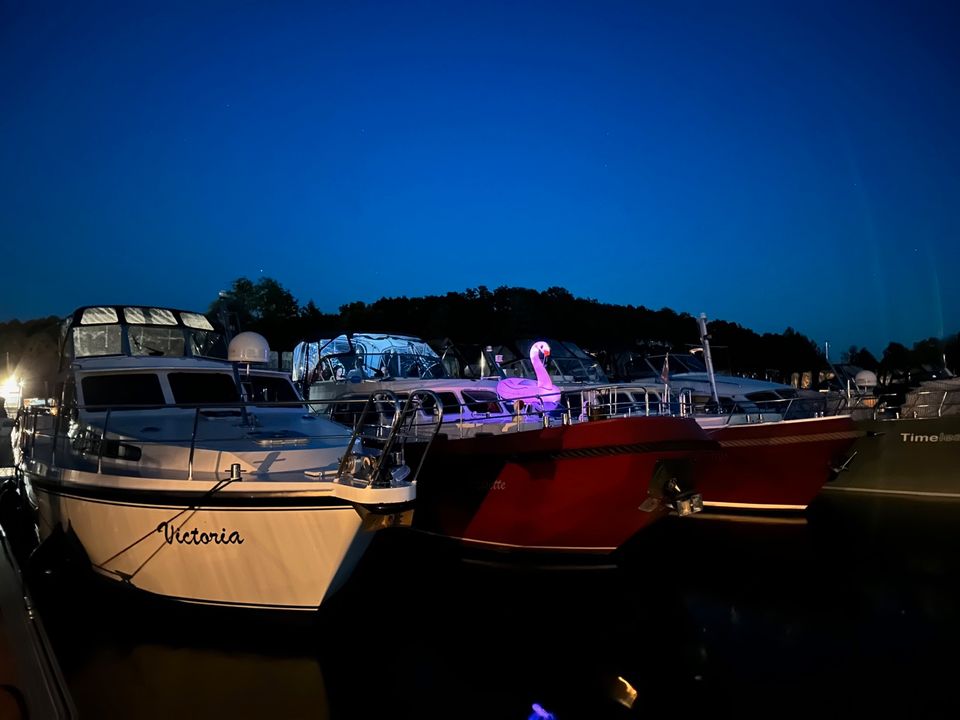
<point>279,550</point>
<point>905,457</point>
<point>582,488</point>
<point>773,465</point>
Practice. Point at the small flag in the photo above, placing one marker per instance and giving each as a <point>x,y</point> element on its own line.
<point>665,373</point>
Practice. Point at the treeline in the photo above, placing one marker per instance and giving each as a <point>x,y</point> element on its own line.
<point>480,315</point>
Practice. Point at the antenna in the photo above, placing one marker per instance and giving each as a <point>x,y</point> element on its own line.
<point>707,358</point>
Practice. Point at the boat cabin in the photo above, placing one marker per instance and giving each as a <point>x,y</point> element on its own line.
<point>141,356</point>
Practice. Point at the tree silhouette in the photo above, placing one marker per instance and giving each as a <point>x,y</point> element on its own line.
<point>483,316</point>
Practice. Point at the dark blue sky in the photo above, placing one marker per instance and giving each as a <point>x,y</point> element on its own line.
<point>767,163</point>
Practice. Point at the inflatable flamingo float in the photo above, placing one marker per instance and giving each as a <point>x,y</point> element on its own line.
<point>540,395</point>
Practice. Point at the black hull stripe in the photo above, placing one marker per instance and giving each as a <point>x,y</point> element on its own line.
<point>636,449</point>
<point>165,499</point>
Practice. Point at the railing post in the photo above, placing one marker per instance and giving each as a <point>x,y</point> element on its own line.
<point>33,434</point>
<point>103,439</point>
<point>193,442</point>
<point>438,408</point>
<point>56,432</point>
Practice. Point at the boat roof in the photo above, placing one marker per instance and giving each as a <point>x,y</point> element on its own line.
<point>138,315</point>
<point>390,354</point>
<point>374,344</point>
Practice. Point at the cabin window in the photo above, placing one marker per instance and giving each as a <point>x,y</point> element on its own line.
<point>763,395</point>
<point>727,404</point>
<point>571,400</point>
<point>200,388</point>
<point>262,388</point>
<point>347,412</point>
<point>449,401</point>
<point>482,401</point>
<point>122,389</point>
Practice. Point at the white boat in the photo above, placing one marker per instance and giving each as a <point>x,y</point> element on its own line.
<point>198,478</point>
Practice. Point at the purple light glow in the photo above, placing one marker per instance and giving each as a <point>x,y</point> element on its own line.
<point>539,713</point>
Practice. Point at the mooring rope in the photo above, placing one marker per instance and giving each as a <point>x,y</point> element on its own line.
<point>127,577</point>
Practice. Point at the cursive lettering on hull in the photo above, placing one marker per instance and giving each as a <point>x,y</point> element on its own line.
<point>196,536</point>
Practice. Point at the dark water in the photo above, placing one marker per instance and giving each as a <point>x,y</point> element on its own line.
<point>854,610</point>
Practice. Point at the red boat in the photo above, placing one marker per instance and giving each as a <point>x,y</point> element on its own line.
<point>586,487</point>
<point>773,465</point>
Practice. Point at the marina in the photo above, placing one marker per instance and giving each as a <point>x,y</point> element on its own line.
<point>479,361</point>
<point>608,557</point>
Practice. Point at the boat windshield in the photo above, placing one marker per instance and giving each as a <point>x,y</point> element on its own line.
<point>635,366</point>
<point>155,341</point>
<point>680,363</point>
<point>140,331</point>
<point>567,362</point>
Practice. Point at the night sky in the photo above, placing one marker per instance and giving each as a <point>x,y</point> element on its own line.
<point>772,164</point>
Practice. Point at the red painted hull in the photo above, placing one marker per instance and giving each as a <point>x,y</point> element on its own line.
<point>777,465</point>
<point>575,488</point>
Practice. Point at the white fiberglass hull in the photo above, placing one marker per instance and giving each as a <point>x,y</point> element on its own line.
<point>250,544</point>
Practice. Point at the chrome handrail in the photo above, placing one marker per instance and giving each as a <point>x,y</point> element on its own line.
<point>405,412</point>
<point>56,434</point>
<point>438,409</point>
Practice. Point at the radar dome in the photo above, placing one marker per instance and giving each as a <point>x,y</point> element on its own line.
<point>249,347</point>
<point>865,379</point>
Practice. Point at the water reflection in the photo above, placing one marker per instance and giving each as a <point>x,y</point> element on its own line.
<point>854,610</point>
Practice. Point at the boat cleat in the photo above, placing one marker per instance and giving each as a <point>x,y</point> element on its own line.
<point>687,504</point>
